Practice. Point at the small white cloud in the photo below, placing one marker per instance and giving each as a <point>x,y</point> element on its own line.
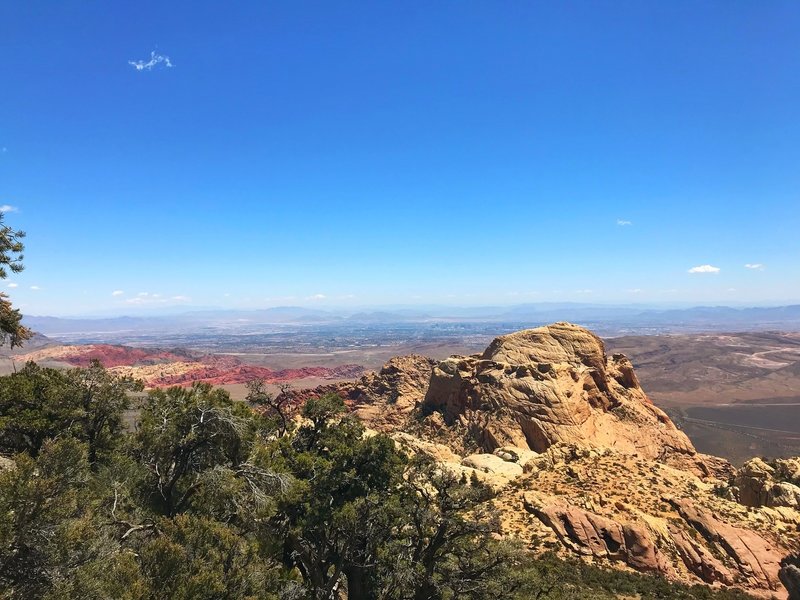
<point>35,288</point>
<point>754,266</point>
<point>635,291</point>
<point>317,297</point>
<point>143,298</point>
<point>731,289</point>
<point>13,285</point>
<point>155,60</point>
<point>584,291</point>
<point>624,222</point>
<point>117,293</point>
<point>7,208</point>
<point>704,269</point>
<point>227,295</point>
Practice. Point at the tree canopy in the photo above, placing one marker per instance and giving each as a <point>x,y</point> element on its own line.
<point>11,248</point>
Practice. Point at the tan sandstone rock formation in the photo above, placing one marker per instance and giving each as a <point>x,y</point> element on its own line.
<point>539,387</point>
<point>758,484</point>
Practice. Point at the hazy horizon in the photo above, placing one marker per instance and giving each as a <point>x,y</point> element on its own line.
<point>433,309</point>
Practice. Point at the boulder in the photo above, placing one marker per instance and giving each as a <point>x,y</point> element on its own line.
<point>790,576</point>
<point>520,456</point>
<point>758,484</point>
<point>494,465</point>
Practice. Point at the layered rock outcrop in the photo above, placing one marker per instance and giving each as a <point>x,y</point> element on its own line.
<point>601,537</point>
<point>759,484</point>
<point>549,385</point>
<point>757,559</point>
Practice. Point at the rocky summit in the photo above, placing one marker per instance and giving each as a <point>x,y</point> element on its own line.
<point>582,461</point>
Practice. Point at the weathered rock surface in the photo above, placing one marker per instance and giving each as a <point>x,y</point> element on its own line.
<point>520,456</point>
<point>383,400</point>
<point>757,559</point>
<point>790,576</point>
<point>698,559</point>
<point>489,463</point>
<point>488,468</point>
<point>601,537</point>
<point>758,484</point>
<point>539,387</point>
<point>788,469</point>
<point>671,520</point>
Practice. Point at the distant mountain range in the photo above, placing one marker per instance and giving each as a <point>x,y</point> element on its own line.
<point>606,317</point>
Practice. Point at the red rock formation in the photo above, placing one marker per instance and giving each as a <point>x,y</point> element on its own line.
<point>601,537</point>
<point>757,559</point>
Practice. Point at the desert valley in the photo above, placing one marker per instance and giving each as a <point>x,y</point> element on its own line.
<point>736,393</point>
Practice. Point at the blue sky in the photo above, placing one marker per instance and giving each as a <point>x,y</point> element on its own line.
<point>336,153</point>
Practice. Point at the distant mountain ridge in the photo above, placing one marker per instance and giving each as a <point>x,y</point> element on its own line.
<point>714,318</point>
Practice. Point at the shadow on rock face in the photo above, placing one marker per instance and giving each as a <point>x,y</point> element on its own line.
<point>790,576</point>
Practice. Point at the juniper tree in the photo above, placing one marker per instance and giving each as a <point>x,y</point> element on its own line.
<point>11,248</point>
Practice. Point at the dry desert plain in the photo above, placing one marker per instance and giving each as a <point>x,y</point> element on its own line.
<point>736,395</point>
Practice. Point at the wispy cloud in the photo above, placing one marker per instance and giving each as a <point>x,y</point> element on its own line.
<point>150,298</point>
<point>117,293</point>
<point>635,291</point>
<point>624,222</point>
<point>6,208</point>
<point>13,285</point>
<point>35,288</point>
<point>155,61</point>
<point>584,291</point>
<point>704,269</point>
<point>317,297</point>
<point>754,266</point>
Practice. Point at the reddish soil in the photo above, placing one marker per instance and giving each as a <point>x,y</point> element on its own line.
<point>121,356</point>
<point>245,373</point>
<point>211,368</point>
